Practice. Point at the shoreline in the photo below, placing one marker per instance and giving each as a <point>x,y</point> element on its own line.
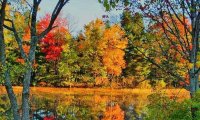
<point>89,91</point>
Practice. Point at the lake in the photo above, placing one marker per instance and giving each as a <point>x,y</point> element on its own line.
<point>85,103</point>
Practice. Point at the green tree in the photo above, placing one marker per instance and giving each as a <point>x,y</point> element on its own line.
<point>90,60</point>
<point>137,65</point>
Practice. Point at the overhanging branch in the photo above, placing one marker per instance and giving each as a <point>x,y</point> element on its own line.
<point>17,38</point>
<point>54,15</point>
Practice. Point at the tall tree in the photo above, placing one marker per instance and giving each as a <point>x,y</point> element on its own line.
<point>6,71</point>
<point>176,10</point>
<point>103,47</point>
<point>137,66</point>
<point>113,44</point>
<point>52,44</point>
<point>29,58</point>
<point>171,16</point>
<point>89,52</point>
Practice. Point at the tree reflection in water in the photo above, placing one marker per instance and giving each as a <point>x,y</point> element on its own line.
<point>74,106</point>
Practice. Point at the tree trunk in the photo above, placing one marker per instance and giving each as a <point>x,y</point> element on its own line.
<point>27,79</point>
<point>11,95</point>
<point>194,82</point>
<point>25,95</point>
<point>8,84</point>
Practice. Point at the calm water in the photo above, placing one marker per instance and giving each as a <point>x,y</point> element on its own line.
<point>82,105</point>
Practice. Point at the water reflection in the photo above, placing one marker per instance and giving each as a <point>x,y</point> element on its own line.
<point>83,106</point>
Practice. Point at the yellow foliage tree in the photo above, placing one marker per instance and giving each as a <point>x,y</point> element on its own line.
<point>112,46</point>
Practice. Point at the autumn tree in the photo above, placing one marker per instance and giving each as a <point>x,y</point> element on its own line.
<point>52,45</point>
<point>187,14</point>
<point>170,48</point>
<point>29,58</point>
<point>102,49</point>
<point>113,45</point>
<point>180,25</point>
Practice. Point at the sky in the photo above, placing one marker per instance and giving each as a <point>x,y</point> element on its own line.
<point>79,12</point>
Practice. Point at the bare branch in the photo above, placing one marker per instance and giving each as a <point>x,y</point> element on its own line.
<point>54,15</point>
<point>177,34</point>
<point>197,71</point>
<point>185,30</point>
<point>17,38</point>
<point>177,16</point>
<point>7,27</point>
<point>160,67</point>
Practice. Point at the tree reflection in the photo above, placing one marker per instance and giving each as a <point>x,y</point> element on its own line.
<point>83,106</point>
<point>113,113</point>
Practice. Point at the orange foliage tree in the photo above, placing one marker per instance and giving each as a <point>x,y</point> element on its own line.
<point>103,48</point>
<point>113,45</point>
<point>179,44</point>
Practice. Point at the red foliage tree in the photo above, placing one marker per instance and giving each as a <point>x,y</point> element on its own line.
<point>51,44</point>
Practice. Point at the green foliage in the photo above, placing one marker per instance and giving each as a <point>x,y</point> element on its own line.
<point>162,107</point>
<point>87,50</point>
<point>196,104</point>
<point>160,84</point>
<point>137,65</point>
<point>5,108</point>
<point>16,73</point>
<point>69,67</point>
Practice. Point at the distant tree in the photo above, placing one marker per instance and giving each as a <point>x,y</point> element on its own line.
<point>53,43</point>
<point>69,68</point>
<point>112,45</point>
<point>102,49</point>
<point>137,65</point>
<point>89,53</point>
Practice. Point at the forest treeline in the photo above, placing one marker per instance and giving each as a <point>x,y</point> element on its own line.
<point>129,54</point>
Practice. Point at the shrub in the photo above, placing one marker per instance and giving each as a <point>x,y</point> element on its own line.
<point>196,105</point>
<point>161,107</point>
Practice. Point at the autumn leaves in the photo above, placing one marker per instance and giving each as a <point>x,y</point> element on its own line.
<point>106,45</point>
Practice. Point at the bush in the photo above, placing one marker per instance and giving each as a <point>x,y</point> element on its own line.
<point>161,107</point>
<point>196,105</point>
